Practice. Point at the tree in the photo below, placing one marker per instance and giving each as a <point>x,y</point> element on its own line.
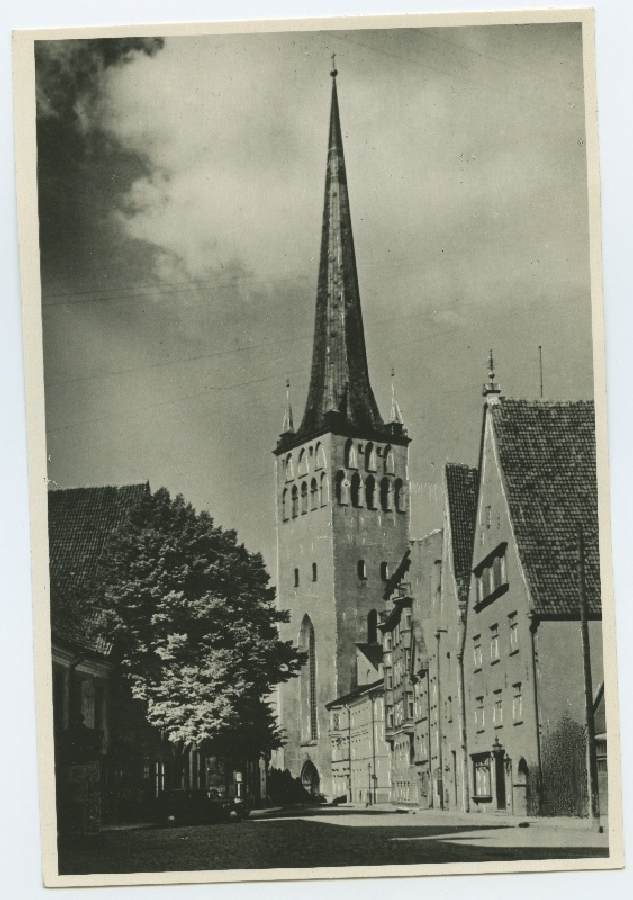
<point>191,617</point>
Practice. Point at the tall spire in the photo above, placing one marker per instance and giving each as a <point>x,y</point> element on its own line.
<point>340,392</point>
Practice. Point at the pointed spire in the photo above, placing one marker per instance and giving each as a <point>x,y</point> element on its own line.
<point>339,391</point>
<point>492,389</point>
<point>288,426</point>
<point>396,412</point>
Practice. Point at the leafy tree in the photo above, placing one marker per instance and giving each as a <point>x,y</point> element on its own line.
<point>192,619</point>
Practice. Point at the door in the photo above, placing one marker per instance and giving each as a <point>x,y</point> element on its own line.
<point>500,781</point>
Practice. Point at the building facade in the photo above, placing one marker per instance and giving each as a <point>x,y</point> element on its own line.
<point>523,661</point>
<point>341,497</point>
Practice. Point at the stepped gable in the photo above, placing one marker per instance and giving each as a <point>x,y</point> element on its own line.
<point>80,523</point>
<point>461,495</point>
<point>547,454</point>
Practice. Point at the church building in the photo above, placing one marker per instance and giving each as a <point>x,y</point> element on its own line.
<point>342,497</point>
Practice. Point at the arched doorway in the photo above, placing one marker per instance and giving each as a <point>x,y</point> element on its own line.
<point>310,778</point>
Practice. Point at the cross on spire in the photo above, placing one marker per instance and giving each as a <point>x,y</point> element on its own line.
<point>334,71</point>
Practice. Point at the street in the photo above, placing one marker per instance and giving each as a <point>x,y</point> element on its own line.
<point>315,837</point>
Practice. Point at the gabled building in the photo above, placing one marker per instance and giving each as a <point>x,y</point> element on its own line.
<point>342,496</point>
<point>523,660</point>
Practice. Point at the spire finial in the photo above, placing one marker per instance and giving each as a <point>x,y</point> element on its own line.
<point>491,388</point>
<point>288,426</point>
<point>334,71</point>
<point>396,412</point>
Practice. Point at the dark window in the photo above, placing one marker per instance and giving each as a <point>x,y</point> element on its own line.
<point>355,491</point>
<point>384,571</point>
<point>372,626</point>
<point>314,494</point>
<point>385,494</point>
<point>361,568</point>
<point>370,492</point>
<point>315,573</point>
<point>398,490</point>
<point>284,504</point>
<point>323,491</point>
<point>296,577</point>
<point>304,498</point>
<point>295,502</point>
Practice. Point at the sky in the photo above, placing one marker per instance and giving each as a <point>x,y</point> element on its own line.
<point>181,189</point>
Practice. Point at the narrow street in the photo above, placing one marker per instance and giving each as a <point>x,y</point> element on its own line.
<point>330,837</point>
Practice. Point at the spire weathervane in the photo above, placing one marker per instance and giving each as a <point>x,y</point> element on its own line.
<point>491,388</point>
<point>334,71</point>
<point>288,426</point>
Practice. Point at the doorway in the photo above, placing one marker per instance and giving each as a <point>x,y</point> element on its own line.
<point>500,781</point>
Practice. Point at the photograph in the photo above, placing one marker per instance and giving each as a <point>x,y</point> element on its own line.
<point>316,422</point>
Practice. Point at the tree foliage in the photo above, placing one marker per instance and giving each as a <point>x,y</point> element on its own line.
<point>193,621</point>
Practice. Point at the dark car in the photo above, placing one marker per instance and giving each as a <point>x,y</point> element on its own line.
<point>197,806</point>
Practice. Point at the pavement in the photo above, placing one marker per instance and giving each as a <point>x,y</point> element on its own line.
<point>330,836</point>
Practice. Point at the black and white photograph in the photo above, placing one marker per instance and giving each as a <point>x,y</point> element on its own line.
<point>317,441</point>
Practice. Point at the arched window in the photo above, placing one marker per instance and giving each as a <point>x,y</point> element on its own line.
<point>342,488</point>
<point>390,466</point>
<point>288,468</point>
<point>295,501</point>
<point>400,495</point>
<point>315,572</point>
<point>284,505</point>
<point>302,467</point>
<point>314,494</point>
<point>361,569</point>
<point>296,578</point>
<point>370,457</point>
<point>385,494</point>
<point>370,492</point>
<point>309,718</point>
<point>323,489</point>
<point>317,456</point>
<point>351,460</point>
<point>304,498</point>
<point>356,494</point>
<point>372,626</point>
<point>384,571</point>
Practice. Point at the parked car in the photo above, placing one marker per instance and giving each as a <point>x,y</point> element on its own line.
<point>197,806</point>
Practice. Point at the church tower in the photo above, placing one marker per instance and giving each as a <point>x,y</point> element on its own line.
<point>342,497</point>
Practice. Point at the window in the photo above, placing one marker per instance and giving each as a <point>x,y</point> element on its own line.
<point>342,489</point>
<point>304,498</point>
<point>318,457</point>
<point>384,571</point>
<point>288,467</point>
<point>351,461</point>
<point>314,494</point>
<point>494,643</point>
<point>388,641</point>
<point>284,505</point>
<point>517,703</point>
<point>370,492</point>
<point>400,495</point>
<point>295,501</point>
<point>355,492</point>
<point>296,578</point>
<point>482,777</point>
<point>450,709</point>
<point>488,517</point>
<point>323,489</point>
<point>372,626</point>
<point>309,726</point>
<point>361,569</point>
<point>477,654</point>
<point>370,458</point>
<point>406,615</point>
<point>389,461</point>
<point>497,710</point>
<point>335,721</point>
<point>491,574</point>
<point>389,679</point>
<point>302,467</point>
<point>480,722</point>
<point>409,706</point>
<point>385,494</point>
<point>514,633</point>
<point>315,572</point>
<point>390,718</point>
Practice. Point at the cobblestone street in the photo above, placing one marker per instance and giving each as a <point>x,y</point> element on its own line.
<point>329,837</point>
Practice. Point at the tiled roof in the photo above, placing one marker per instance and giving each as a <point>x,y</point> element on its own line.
<point>461,497</point>
<point>548,458</point>
<point>373,652</point>
<point>80,523</point>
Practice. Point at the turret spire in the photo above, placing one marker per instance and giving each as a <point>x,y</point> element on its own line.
<point>288,426</point>
<point>340,393</point>
<point>396,413</point>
